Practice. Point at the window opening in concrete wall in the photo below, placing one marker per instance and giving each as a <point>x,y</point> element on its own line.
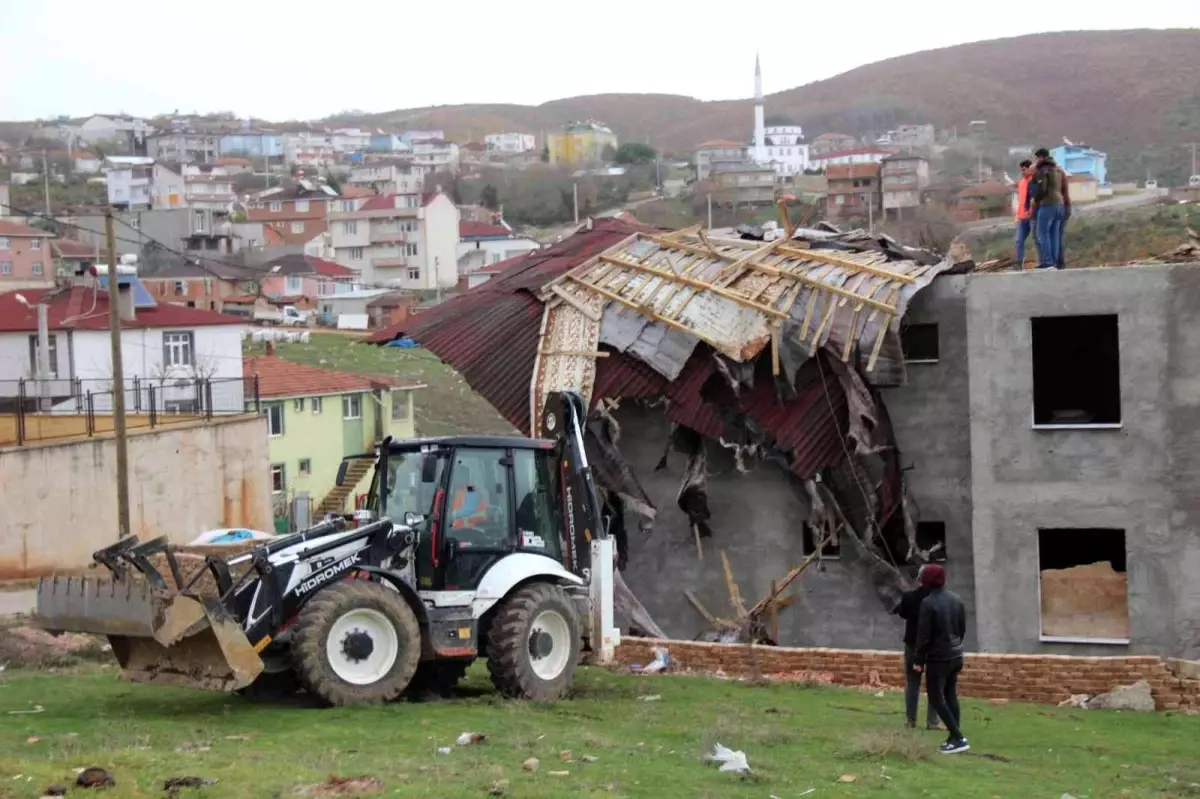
<point>1076,371</point>
<point>1084,590</point>
<point>832,548</point>
<point>931,538</point>
<point>919,343</point>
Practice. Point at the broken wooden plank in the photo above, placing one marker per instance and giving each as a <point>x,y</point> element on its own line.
<point>847,263</point>
<point>577,353</point>
<point>578,305</point>
<point>735,595</point>
<point>698,284</point>
<point>699,606</point>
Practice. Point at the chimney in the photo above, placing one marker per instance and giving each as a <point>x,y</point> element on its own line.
<point>125,300</point>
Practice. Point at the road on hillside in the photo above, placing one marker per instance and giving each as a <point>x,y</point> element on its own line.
<point>1111,205</point>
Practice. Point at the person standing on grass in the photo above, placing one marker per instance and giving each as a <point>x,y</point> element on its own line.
<point>941,626</point>
<point>909,609</point>
<point>1024,210</point>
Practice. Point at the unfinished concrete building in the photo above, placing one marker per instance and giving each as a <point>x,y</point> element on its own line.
<point>829,394</point>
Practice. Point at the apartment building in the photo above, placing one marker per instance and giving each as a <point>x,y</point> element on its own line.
<point>292,215</point>
<point>26,260</point>
<point>854,190</point>
<point>184,146</point>
<point>312,148</point>
<point>510,142</point>
<point>129,180</point>
<point>437,155</point>
<point>408,241</point>
<point>350,140</point>
<point>904,178</point>
<point>400,176</point>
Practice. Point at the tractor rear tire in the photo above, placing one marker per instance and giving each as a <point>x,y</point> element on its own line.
<point>356,642</point>
<point>534,644</point>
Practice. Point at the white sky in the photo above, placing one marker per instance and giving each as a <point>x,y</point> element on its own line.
<point>265,57</point>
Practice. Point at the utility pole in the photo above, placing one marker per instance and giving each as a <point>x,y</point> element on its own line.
<point>1193,145</point>
<point>871,213</point>
<point>118,381</point>
<point>575,199</point>
<point>43,357</point>
<point>46,179</point>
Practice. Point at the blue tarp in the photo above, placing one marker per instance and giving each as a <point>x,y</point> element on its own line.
<point>406,343</point>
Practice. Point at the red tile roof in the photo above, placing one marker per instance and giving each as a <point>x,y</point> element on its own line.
<point>384,202</point>
<point>849,171</point>
<point>351,192</point>
<point>74,309</point>
<point>329,268</point>
<point>482,230</point>
<point>8,228</point>
<point>278,377</point>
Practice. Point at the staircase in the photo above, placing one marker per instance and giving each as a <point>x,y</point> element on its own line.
<point>335,500</point>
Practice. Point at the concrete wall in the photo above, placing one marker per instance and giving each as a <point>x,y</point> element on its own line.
<point>1140,478</point>
<point>183,480</point>
<point>931,416</point>
<point>756,519</point>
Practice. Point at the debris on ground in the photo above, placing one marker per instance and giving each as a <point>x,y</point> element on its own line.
<point>242,738</point>
<point>662,660</point>
<point>95,777</point>
<point>588,758</point>
<point>650,698</point>
<point>343,786</point>
<point>444,750</point>
<point>34,709</point>
<point>1074,700</point>
<point>22,646</point>
<point>174,784</point>
<point>1124,697</point>
<point>814,677</point>
<point>193,746</point>
<point>729,759</point>
<point>531,764</point>
<point>848,778</point>
<point>55,790</point>
<point>565,755</point>
<point>498,787</point>
<point>558,773</point>
<point>468,738</point>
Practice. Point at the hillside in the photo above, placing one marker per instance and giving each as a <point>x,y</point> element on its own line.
<point>1134,93</point>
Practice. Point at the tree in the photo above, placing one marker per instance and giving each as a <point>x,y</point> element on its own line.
<point>632,152</point>
<point>546,154</point>
<point>490,198</point>
<point>608,153</point>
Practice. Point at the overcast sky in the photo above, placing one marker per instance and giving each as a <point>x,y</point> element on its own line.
<point>303,59</point>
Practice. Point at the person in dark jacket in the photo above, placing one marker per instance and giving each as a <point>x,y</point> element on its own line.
<point>909,609</point>
<point>941,626</point>
<point>1047,188</point>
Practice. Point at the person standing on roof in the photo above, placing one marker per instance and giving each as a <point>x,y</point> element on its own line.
<point>1062,232</point>
<point>1024,210</point>
<point>941,626</point>
<point>909,609</point>
<point>1047,208</point>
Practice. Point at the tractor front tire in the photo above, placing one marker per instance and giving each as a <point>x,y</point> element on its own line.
<point>534,644</point>
<point>356,642</point>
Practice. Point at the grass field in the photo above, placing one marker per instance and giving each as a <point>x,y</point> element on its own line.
<point>447,406</point>
<point>798,739</point>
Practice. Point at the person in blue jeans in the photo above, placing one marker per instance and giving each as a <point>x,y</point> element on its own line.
<point>909,609</point>
<point>1048,208</point>
<point>1024,211</point>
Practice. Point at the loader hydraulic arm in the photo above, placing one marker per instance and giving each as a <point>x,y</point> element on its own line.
<point>563,420</point>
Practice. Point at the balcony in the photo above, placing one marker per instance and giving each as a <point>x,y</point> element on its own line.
<point>390,261</point>
<point>388,236</point>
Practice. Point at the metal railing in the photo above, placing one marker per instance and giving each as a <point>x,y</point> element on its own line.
<point>33,410</point>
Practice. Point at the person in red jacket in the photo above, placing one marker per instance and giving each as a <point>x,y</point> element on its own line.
<point>1024,210</point>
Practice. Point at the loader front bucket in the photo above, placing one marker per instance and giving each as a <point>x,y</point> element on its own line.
<point>156,635</point>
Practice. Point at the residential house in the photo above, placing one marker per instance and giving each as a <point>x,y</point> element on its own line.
<point>206,285</point>
<point>854,190</point>
<point>251,143</point>
<point>436,155</point>
<point>292,215</point>
<point>350,140</point>
<point>86,163</point>
<point>128,132</point>
<point>718,152</point>
<point>317,416</point>
<point>26,259</point>
<point>1084,187</point>
<point>70,256</point>
<point>184,146</point>
<point>411,137</point>
<point>786,152</point>
<point>989,199</point>
<point>909,136</point>
<point>160,342</point>
<point>1081,159</point>
<point>580,143</point>
<point>195,229</point>
<point>350,310</point>
<point>292,276</point>
<point>387,143</point>
<point>389,309</point>
<point>474,154</point>
<point>407,241</point>
<point>747,183</point>
<point>234,164</point>
<point>195,186</point>
<point>518,160</point>
<point>390,176</point>
<point>858,155</point>
<point>510,142</point>
<point>481,244</point>
<point>904,178</point>
<point>831,143</point>
<point>309,148</point>
<point>130,181</point>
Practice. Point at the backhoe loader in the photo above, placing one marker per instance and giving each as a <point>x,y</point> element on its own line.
<point>469,547</point>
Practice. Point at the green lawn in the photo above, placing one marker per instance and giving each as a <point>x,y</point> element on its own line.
<point>447,406</point>
<point>795,736</point>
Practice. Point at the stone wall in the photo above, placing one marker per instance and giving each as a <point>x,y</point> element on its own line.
<point>1030,678</point>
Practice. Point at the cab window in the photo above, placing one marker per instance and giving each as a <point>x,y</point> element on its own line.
<point>477,503</point>
<point>537,524</point>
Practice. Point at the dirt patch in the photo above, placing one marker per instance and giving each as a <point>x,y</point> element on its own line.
<point>22,646</point>
<point>343,786</point>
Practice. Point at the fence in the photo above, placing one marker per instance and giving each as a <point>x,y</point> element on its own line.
<point>44,410</point>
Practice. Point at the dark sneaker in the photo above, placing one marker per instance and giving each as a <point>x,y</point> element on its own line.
<point>954,747</point>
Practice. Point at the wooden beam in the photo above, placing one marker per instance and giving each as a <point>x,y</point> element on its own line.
<point>679,245</point>
<point>735,595</point>
<point>699,606</point>
<point>819,255</point>
<point>577,353</point>
<point>815,283</point>
<point>699,547</point>
<point>699,284</point>
<point>578,305</point>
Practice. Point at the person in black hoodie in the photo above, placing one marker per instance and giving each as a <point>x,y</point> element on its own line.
<point>909,609</point>
<point>941,626</point>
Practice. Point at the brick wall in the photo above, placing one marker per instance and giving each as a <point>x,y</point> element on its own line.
<point>1032,678</point>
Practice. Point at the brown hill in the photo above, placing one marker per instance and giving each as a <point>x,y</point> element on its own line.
<point>1135,93</point>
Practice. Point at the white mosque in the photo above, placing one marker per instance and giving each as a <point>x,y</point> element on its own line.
<point>780,146</point>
